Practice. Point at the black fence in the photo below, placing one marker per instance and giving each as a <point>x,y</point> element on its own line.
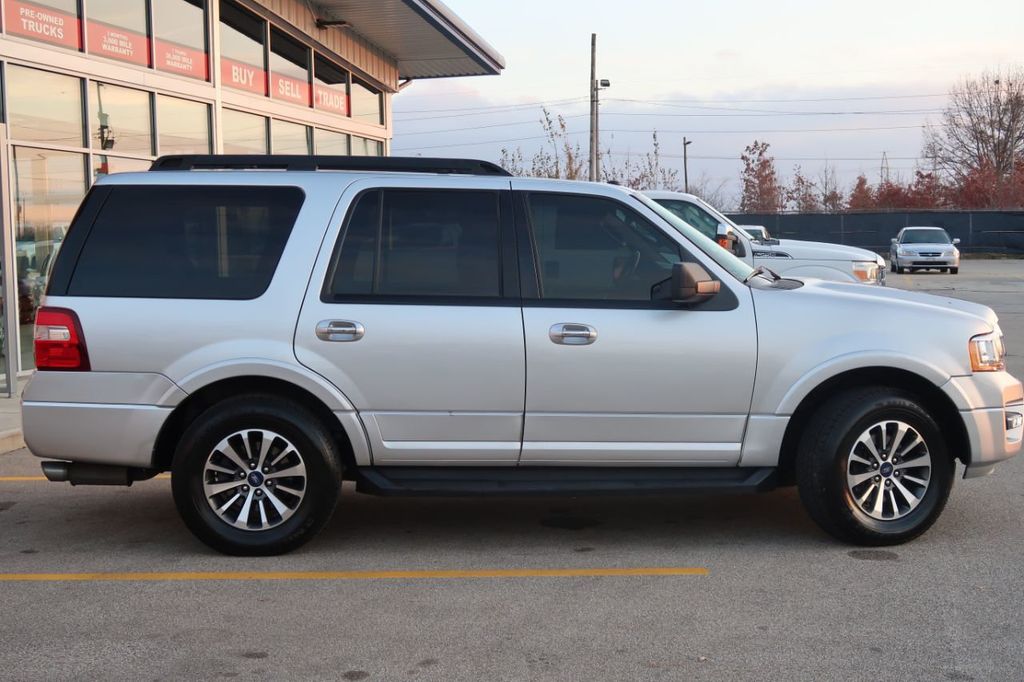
<point>978,231</point>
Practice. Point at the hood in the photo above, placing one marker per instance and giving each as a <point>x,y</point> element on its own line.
<point>823,251</point>
<point>928,302</point>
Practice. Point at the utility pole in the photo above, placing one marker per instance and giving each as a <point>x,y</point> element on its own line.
<point>593,108</point>
<point>686,170</point>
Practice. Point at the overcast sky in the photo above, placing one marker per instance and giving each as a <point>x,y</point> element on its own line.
<point>722,73</point>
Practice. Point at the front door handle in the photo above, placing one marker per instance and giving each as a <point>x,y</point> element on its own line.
<point>572,334</point>
<point>339,330</point>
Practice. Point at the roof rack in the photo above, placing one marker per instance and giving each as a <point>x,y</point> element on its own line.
<point>395,164</point>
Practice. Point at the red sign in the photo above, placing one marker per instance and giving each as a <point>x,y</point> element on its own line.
<point>43,23</point>
<point>289,89</point>
<point>117,43</point>
<point>243,76</point>
<point>328,99</point>
<point>186,61</point>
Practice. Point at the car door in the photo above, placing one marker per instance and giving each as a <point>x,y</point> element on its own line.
<point>413,313</point>
<point>614,377</point>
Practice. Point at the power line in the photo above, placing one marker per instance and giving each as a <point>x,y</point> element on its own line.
<point>675,131</point>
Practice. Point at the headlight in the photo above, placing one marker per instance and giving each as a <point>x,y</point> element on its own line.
<point>988,354</point>
<point>902,252</point>
<point>865,271</point>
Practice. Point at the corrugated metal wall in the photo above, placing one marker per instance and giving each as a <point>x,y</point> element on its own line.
<point>978,231</point>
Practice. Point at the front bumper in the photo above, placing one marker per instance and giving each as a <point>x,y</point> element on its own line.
<point>987,402</point>
<point>915,261</point>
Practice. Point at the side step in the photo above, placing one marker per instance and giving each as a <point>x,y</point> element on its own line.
<point>514,481</point>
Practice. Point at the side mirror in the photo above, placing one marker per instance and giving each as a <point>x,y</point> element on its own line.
<point>691,284</point>
<point>956,241</point>
<point>893,240</point>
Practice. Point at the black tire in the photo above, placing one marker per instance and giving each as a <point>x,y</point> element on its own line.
<point>821,466</point>
<point>309,436</point>
<point>899,270</point>
<point>892,266</point>
<point>954,271</point>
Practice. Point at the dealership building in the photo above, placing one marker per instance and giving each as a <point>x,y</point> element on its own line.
<point>91,87</point>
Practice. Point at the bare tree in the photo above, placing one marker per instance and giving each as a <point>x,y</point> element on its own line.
<point>714,192</point>
<point>830,194</point>
<point>982,128</point>
<point>644,172</point>
<point>802,194</point>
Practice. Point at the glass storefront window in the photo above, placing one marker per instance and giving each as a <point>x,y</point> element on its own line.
<point>179,32</point>
<point>289,138</point>
<point>120,119</point>
<point>366,103</point>
<point>243,133</point>
<point>289,69</point>
<point>330,142</point>
<point>44,107</point>
<point>362,146</point>
<point>118,29</point>
<point>330,87</point>
<point>108,165</point>
<point>183,127</point>
<point>51,21</point>
<point>243,61</point>
<point>47,187</point>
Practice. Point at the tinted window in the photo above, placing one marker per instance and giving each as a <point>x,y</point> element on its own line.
<point>597,249</point>
<point>186,242</point>
<point>420,243</point>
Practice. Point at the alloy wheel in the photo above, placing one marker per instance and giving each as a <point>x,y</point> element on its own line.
<point>888,470</point>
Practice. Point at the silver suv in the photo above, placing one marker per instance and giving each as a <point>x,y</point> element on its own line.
<point>267,327</point>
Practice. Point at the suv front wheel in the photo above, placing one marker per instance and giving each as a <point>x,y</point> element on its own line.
<point>256,475</point>
<point>872,467</point>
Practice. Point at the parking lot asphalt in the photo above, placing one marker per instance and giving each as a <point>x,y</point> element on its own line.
<point>615,588</point>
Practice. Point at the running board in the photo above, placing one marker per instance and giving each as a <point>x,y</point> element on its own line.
<point>515,481</point>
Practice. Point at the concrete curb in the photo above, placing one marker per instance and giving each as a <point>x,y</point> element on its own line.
<point>11,440</point>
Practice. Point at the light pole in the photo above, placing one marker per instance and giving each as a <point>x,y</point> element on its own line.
<point>596,86</point>
<point>686,170</point>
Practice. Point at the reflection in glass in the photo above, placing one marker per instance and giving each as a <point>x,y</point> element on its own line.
<point>289,69</point>
<point>243,59</point>
<point>330,142</point>
<point>127,14</point>
<point>289,138</point>
<point>330,87</point>
<point>108,165</point>
<point>44,107</point>
<point>366,103</point>
<point>183,127</point>
<point>120,119</point>
<point>179,29</point>
<point>48,187</point>
<point>362,146</point>
<point>243,133</point>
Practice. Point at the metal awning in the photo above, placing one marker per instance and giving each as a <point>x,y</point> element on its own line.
<point>427,38</point>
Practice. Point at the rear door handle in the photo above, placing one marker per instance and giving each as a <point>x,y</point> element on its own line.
<point>572,334</point>
<point>339,330</point>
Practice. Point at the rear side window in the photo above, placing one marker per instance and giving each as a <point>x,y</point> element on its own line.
<point>427,243</point>
<point>186,242</point>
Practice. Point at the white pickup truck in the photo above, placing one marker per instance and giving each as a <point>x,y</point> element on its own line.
<point>791,257</point>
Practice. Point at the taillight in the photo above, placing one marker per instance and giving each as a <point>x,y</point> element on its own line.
<point>59,343</point>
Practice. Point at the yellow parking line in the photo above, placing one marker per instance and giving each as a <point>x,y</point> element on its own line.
<point>23,479</point>
<point>352,575</point>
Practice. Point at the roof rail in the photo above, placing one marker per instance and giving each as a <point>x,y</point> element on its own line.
<point>395,164</point>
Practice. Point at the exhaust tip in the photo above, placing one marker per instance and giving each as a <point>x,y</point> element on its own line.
<point>58,472</point>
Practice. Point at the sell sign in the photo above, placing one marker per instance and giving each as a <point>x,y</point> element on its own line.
<point>289,89</point>
<point>42,23</point>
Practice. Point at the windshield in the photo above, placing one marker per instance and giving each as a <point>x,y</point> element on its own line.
<point>925,237</point>
<point>703,218</point>
<point>708,245</point>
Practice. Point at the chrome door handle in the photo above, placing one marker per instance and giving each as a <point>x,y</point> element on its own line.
<point>572,334</point>
<point>339,330</point>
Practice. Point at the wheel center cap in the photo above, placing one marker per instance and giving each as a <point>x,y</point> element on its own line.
<point>255,479</point>
<point>886,469</point>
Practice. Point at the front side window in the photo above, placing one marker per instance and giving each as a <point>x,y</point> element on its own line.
<point>420,243</point>
<point>52,21</point>
<point>925,237</point>
<point>179,30</point>
<point>120,119</point>
<point>242,49</point>
<point>216,242</point>
<point>117,29</point>
<point>591,248</point>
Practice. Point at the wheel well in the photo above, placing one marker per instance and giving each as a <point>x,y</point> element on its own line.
<point>931,396</point>
<point>200,401</point>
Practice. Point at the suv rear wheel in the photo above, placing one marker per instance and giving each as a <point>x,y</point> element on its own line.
<point>872,467</point>
<point>256,475</point>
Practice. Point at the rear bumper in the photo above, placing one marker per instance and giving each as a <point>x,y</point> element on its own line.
<point>987,402</point>
<point>122,435</point>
